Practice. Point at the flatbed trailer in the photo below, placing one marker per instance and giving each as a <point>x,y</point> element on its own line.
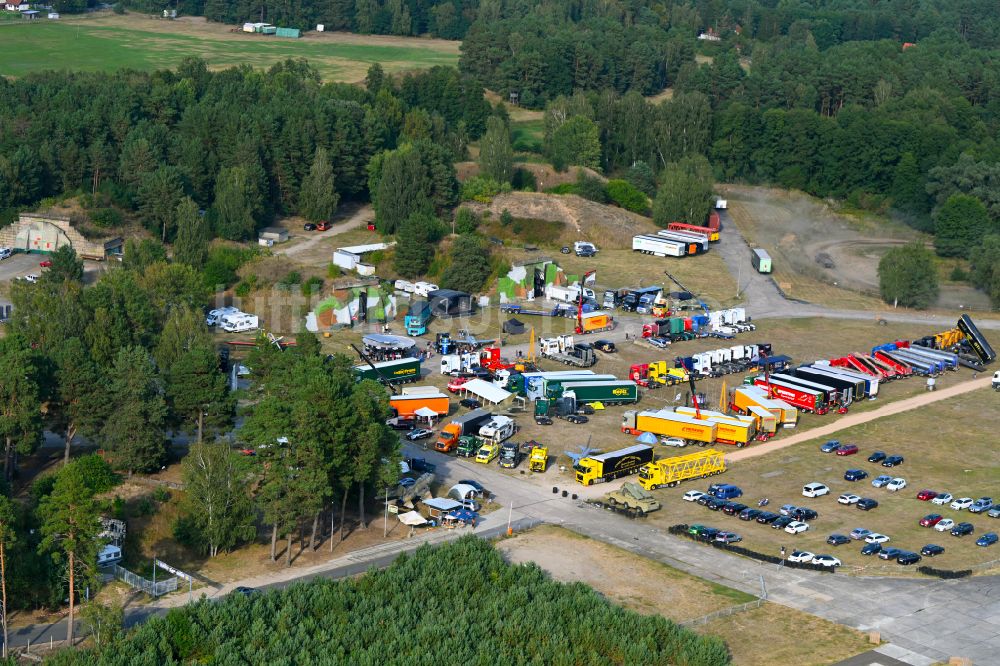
<point>668,472</point>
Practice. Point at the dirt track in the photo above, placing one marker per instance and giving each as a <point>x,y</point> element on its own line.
<point>857,419</point>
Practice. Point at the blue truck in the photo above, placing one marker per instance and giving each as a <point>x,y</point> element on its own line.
<point>417,318</point>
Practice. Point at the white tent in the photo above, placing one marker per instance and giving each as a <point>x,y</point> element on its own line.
<point>461,491</point>
<point>426,413</point>
<point>486,391</point>
<point>412,518</point>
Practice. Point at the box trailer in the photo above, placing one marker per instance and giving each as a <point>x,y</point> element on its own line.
<point>870,382</point>
<point>846,386</point>
<point>613,465</point>
<point>553,387</point>
<point>401,370</point>
<point>669,424</point>
<point>460,426</point>
<point>765,419</point>
<point>698,241</point>
<point>668,472</point>
<point>730,428</point>
<point>657,246</point>
<point>713,234</point>
<point>797,396</point>
<point>980,345</point>
<point>745,397</point>
<point>593,322</point>
<point>406,406</point>
<point>618,392</point>
<point>760,260</point>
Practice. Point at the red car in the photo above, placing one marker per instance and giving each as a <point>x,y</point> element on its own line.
<point>930,520</point>
<point>926,495</point>
<point>322,226</point>
<point>456,383</point>
<point>45,264</point>
<point>847,450</point>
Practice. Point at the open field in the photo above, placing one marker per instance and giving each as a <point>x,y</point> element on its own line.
<point>110,42</point>
<point>647,586</point>
<point>948,446</point>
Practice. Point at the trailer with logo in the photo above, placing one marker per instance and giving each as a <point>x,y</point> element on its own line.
<point>613,465</point>
<point>618,392</point>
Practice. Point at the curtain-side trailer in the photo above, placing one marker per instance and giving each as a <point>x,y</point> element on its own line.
<point>657,246</point>
<point>745,397</point>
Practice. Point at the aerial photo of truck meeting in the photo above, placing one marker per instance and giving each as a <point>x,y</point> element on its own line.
<point>650,333</point>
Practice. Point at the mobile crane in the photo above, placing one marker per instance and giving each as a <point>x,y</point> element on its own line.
<point>704,307</point>
<point>579,302</point>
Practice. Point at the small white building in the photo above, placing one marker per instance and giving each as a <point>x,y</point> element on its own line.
<point>16,6</point>
<point>350,258</point>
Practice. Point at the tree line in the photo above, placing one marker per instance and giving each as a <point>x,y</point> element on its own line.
<point>243,144</point>
<point>457,603</point>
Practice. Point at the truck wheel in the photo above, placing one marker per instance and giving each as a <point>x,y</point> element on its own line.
<point>740,445</point>
<point>612,501</point>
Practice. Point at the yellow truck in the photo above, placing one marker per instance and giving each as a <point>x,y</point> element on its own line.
<point>488,453</point>
<point>746,396</point>
<point>539,459</point>
<point>663,373</point>
<point>669,424</point>
<point>671,471</point>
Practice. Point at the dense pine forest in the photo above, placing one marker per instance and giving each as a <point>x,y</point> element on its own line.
<point>456,604</point>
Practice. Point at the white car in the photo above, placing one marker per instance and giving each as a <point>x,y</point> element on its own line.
<point>692,496</point>
<point>31,277</point>
<point>896,484</point>
<point>942,499</point>
<point>796,526</point>
<point>801,556</point>
<point>945,525</point>
<point>962,503</point>
<point>875,537</point>
<point>6,252</point>
<point>826,560</point>
<point>673,441</point>
<point>848,498</point>
<point>814,490</point>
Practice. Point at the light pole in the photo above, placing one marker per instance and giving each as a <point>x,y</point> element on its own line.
<point>385,525</point>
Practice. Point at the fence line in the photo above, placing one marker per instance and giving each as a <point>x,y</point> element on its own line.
<point>725,612</point>
<point>157,589</point>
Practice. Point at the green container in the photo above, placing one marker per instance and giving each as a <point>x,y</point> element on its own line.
<point>400,370</point>
<point>676,325</point>
<point>295,33</point>
<point>615,392</point>
<point>269,30</point>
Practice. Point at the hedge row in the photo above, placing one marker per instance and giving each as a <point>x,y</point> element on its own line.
<point>945,573</point>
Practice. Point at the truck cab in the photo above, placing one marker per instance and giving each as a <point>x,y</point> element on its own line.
<point>539,459</point>
<point>468,446</point>
<point>510,455</point>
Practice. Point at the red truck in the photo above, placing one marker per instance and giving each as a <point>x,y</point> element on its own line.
<point>801,398</point>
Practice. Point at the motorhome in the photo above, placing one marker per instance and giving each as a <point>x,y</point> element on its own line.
<point>239,323</point>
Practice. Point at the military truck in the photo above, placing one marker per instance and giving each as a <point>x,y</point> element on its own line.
<point>632,496</point>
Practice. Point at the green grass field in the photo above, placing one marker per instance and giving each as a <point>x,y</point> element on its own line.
<point>113,42</point>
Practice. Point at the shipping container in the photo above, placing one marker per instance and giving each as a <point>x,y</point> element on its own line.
<point>608,466</point>
<point>761,260</point>
<point>294,33</point>
<point>406,406</point>
<point>398,371</point>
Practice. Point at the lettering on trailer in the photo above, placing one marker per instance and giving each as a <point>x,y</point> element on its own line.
<point>403,371</point>
<point>176,572</point>
<point>693,429</point>
<point>628,461</point>
<point>620,391</point>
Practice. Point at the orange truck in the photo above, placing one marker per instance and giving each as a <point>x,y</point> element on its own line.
<point>406,405</point>
<point>597,321</point>
<point>467,424</point>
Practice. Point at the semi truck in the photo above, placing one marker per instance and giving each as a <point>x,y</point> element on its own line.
<point>539,459</point>
<point>497,429</point>
<point>668,472</point>
<point>657,373</point>
<point>417,317</point>
<point>618,392</point>
<point>669,424</point>
<point>729,428</point>
<point>630,301</point>
<point>510,455</point>
<point>398,371</point>
<point>632,497</point>
<point>712,234</point>
<point>613,465</point>
<point>658,246</point>
<point>562,348</point>
<point>468,446</point>
<point>406,406</point>
<point>466,424</point>
<point>552,387</point>
<point>797,396</point>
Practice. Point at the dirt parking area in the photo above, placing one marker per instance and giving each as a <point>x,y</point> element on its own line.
<point>781,635</point>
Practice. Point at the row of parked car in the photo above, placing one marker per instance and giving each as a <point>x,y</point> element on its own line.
<point>790,518</point>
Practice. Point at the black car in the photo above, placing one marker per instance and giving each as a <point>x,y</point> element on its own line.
<point>705,499</point>
<point>585,409</point>
<point>892,461</point>
<point>962,529</point>
<point>605,346</point>
<point>708,534</point>
<point>577,418</point>
<point>876,457</point>
<point>565,249</point>
<point>309,226</point>
<point>802,513</point>
<point>471,403</point>
<point>247,591</point>
<point>781,522</point>
<point>931,549</point>
<point>543,420</point>
<point>715,503</point>
<point>750,514</point>
<point>838,539</point>
<point>733,508</point>
<point>908,558</point>
<point>871,549</point>
<point>855,475</point>
<point>767,517</point>
<point>866,504</point>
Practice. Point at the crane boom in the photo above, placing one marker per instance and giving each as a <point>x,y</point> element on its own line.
<point>696,297</point>
<point>579,302</point>
<point>385,381</point>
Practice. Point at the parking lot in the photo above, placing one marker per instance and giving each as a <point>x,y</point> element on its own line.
<point>20,265</point>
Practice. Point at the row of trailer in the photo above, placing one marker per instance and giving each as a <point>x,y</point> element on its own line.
<point>680,239</point>
<point>692,425</point>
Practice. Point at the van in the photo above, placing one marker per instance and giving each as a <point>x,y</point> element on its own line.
<point>239,323</point>
<point>728,491</point>
<point>216,315</point>
<point>109,555</point>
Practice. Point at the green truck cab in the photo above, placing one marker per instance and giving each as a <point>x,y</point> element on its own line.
<point>468,446</point>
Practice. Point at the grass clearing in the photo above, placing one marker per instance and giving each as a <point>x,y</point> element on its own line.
<point>526,135</point>
<point>107,43</point>
<point>647,586</point>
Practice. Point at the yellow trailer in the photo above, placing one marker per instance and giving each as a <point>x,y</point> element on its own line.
<point>730,428</point>
<point>671,471</point>
<point>669,424</point>
<point>766,421</point>
<point>709,415</point>
<point>746,396</point>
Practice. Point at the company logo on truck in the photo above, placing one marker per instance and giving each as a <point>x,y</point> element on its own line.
<point>629,461</point>
<point>403,371</point>
<point>692,429</point>
<point>620,391</point>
